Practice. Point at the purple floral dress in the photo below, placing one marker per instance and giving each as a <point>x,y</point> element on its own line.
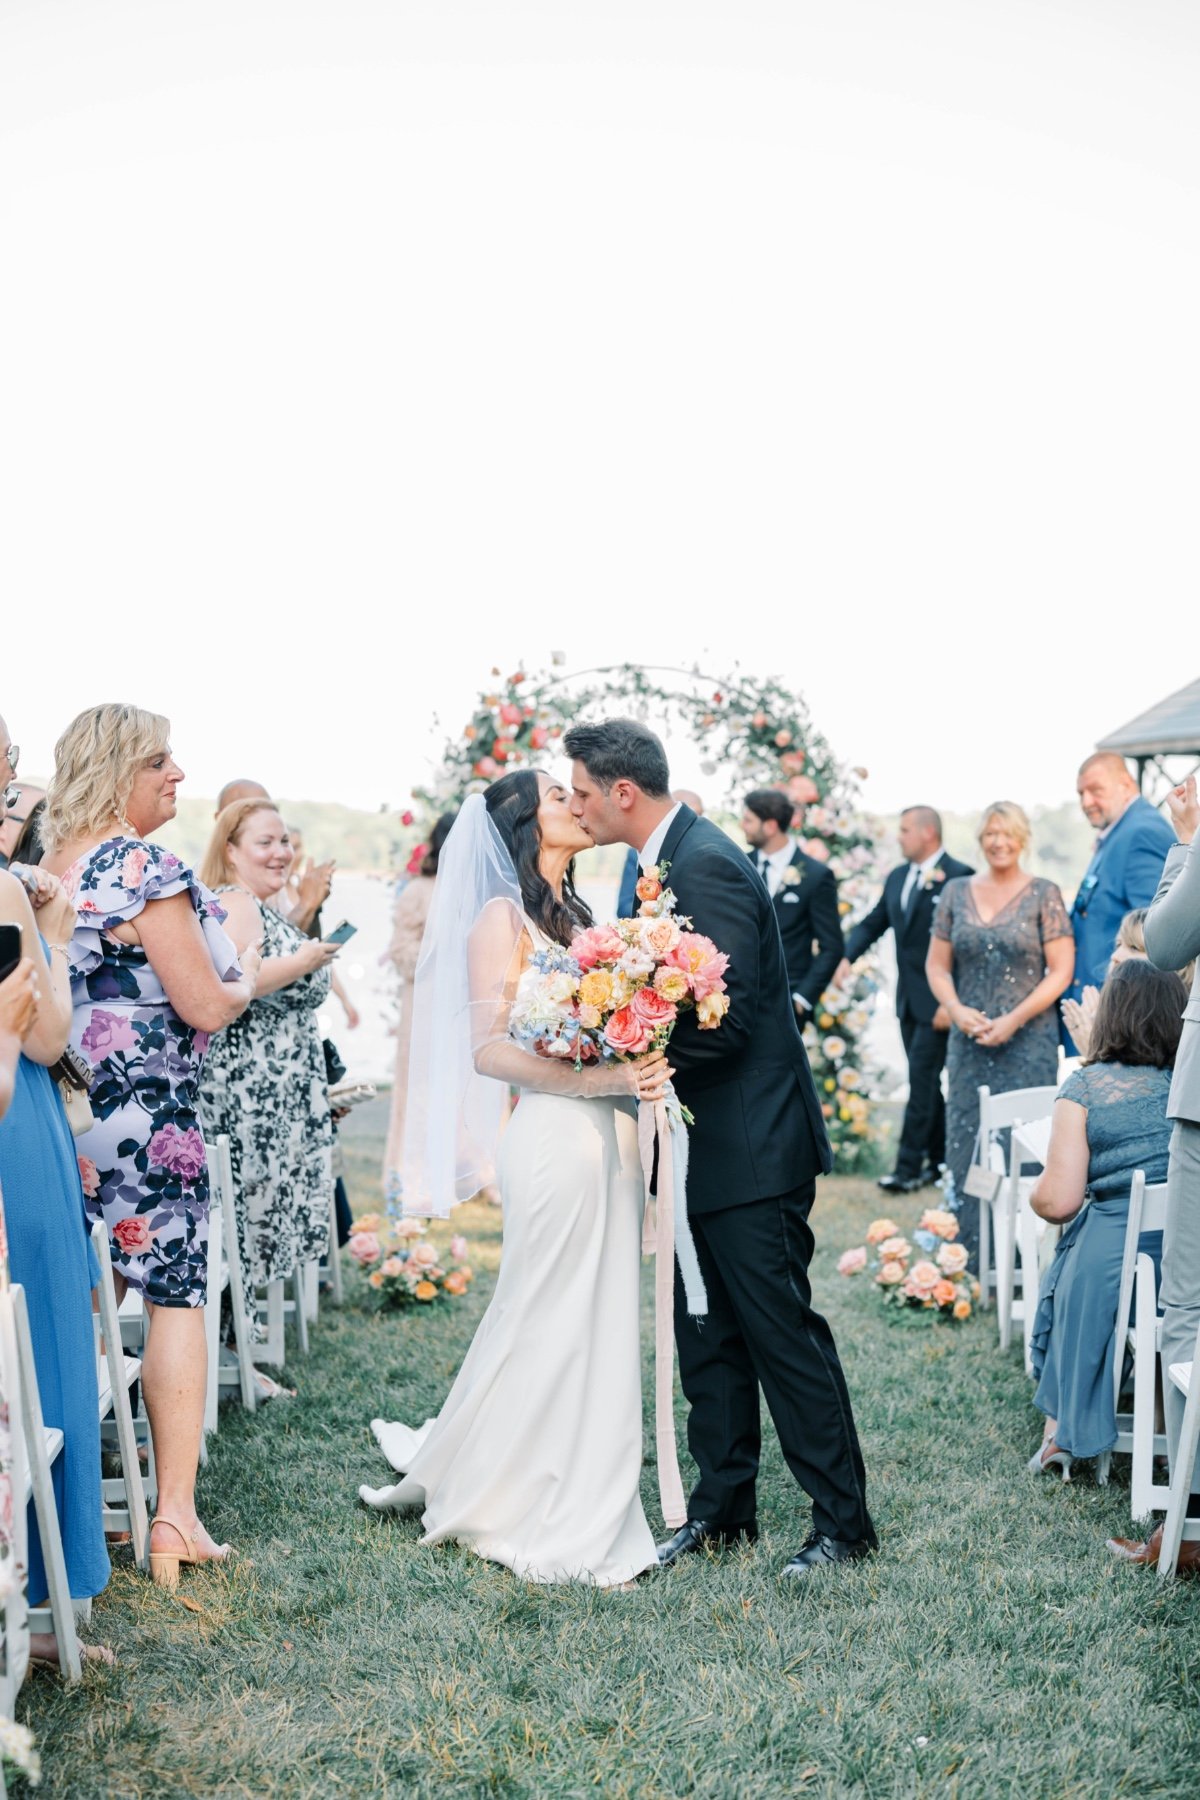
<point>143,1164</point>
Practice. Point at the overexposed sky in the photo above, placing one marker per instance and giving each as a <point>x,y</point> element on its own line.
<point>350,346</point>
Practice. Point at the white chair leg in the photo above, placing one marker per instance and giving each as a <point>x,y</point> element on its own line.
<point>299,1310</point>
<point>212,1324</point>
<point>1145,1359</point>
<point>312,1291</point>
<point>1181,1478</point>
<point>985,1254</point>
<point>114,1350</point>
<point>44,1508</point>
<point>1002,1225</point>
<point>233,1262</point>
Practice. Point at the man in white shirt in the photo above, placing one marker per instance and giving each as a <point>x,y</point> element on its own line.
<point>805,896</point>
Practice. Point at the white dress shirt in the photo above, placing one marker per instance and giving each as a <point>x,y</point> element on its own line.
<point>651,850</point>
<point>772,867</point>
<point>918,872</point>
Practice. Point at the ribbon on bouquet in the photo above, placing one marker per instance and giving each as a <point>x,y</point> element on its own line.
<point>666,1236</point>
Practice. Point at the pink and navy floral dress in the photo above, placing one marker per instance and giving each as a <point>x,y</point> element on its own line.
<point>143,1163</point>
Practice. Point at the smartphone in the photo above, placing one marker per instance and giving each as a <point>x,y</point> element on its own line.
<point>341,934</point>
<point>10,949</point>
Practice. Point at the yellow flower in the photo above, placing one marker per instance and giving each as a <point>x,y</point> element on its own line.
<point>825,1021</point>
<point>672,984</point>
<point>711,1010</point>
<point>830,1084</point>
<point>622,990</point>
<point>596,988</point>
<point>844,1115</point>
<point>962,1309</point>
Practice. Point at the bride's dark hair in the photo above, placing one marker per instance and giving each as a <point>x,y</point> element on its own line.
<point>512,804</point>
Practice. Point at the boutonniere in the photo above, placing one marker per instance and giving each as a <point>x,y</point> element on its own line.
<point>934,879</point>
<point>791,877</point>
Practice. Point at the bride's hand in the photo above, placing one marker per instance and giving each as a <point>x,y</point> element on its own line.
<point>649,1076</point>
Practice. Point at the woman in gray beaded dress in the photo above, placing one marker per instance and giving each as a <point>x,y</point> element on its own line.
<point>1001,955</point>
<point>1109,1120</point>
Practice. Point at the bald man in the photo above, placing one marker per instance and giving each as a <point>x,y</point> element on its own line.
<point>627,900</point>
<point>240,790</point>
<point>1125,870</point>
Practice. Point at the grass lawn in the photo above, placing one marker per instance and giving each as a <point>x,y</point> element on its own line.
<point>991,1648</point>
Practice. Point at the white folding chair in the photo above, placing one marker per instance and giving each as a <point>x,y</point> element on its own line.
<point>226,1370</point>
<point>1136,1436</point>
<point>43,1447</point>
<point>16,1461</point>
<point>1000,1217</point>
<point>124,1496</point>
<point>1177,1525</point>
<point>331,1262</point>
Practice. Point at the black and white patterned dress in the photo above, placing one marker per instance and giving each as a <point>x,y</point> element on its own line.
<point>265,1085</point>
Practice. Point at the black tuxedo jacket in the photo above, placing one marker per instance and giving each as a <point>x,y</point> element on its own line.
<point>759,1130</point>
<point>806,910</point>
<point>912,928</point>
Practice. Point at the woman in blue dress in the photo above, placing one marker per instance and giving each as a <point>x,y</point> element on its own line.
<point>1110,1119</point>
<point>49,1254</point>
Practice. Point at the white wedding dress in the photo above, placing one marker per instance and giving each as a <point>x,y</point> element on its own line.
<point>535,1459</point>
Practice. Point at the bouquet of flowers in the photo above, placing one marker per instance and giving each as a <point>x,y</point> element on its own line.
<point>618,990</point>
<point>937,1281</point>
<point>403,1268</point>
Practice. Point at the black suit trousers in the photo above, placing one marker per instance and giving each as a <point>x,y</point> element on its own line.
<point>761,1330</point>
<point>923,1134</point>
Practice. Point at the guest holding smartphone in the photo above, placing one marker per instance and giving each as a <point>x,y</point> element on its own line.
<point>265,1083</point>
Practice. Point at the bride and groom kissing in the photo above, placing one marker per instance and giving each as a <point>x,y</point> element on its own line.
<point>535,1458</point>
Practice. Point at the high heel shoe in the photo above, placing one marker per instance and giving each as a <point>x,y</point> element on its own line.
<point>1048,1456</point>
<point>164,1564</point>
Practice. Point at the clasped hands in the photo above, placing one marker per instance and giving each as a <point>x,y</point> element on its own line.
<point>989,1032</point>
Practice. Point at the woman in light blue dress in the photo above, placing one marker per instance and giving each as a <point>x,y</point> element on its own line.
<point>1110,1119</point>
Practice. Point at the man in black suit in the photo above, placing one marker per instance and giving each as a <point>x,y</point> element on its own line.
<point>804,893</point>
<point>905,908</point>
<point>757,1147</point>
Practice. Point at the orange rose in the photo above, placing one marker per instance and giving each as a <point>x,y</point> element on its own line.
<point>945,1293</point>
<point>890,1274</point>
<point>376,1279</point>
<point>425,1290</point>
<point>468,1275</point>
<point>648,888</point>
<point>962,1309</point>
<point>454,1283</point>
<point>879,1229</point>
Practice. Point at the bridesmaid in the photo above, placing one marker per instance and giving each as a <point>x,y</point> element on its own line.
<point>1001,954</point>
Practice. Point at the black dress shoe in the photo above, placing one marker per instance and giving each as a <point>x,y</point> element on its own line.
<point>818,1551</point>
<point>697,1535</point>
<point>902,1184</point>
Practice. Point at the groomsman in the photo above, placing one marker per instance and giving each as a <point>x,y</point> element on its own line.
<point>805,896</point>
<point>1125,870</point>
<point>905,908</point>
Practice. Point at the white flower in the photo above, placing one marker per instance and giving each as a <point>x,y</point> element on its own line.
<point>560,987</point>
<point>16,1746</point>
<point>636,964</point>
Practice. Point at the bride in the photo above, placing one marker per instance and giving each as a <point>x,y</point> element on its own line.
<point>534,1460</point>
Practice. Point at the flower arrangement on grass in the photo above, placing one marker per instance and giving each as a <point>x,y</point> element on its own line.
<point>403,1268</point>
<point>926,1274</point>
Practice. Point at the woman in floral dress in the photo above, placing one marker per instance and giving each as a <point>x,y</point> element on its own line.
<point>264,1082</point>
<point>152,976</point>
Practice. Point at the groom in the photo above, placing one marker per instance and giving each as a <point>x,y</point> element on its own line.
<point>757,1146</point>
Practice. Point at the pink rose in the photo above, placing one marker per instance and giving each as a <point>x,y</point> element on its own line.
<point>133,867</point>
<point>423,1256</point>
<point>107,1034</point>
<point>132,1235</point>
<point>600,943</point>
<point>626,1034</point>
<point>179,1152</point>
<point>951,1258</point>
<point>803,790</point>
<point>924,1277</point>
<point>652,1009</point>
<point>891,1274</point>
<point>363,1247</point>
<point>660,936</point>
<point>89,1174</point>
<point>510,714</point>
<point>391,1266</point>
<point>406,818</point>
<point>538,738</point>
<point>852,1262</point>
<point>817,848</point>
<point>458,1248</point>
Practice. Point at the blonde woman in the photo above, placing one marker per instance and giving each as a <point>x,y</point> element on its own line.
<point>153,975</point>
<point>1001,954</point>
<point>265,1083</point>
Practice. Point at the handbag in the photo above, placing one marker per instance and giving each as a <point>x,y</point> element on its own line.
<point>73,1079</point>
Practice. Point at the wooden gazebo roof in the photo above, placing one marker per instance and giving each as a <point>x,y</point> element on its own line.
<point>1171,728</point>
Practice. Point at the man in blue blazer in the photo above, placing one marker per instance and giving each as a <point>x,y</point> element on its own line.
<point>1125,869</point>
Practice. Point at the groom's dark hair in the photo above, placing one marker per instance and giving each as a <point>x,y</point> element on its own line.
<point>621,750</point>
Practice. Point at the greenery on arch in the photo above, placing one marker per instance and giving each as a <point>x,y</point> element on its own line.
<point>753,732</point>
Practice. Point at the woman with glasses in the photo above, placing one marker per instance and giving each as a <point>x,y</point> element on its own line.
<point>1001,954</point>
<point>153,975</point>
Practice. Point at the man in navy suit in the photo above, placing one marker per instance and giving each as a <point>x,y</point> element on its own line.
<point>905,908</point>
<point>1125,869</point>
<point>804,893</point>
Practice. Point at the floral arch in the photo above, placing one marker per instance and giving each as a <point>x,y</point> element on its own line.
<point>754,733</point>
